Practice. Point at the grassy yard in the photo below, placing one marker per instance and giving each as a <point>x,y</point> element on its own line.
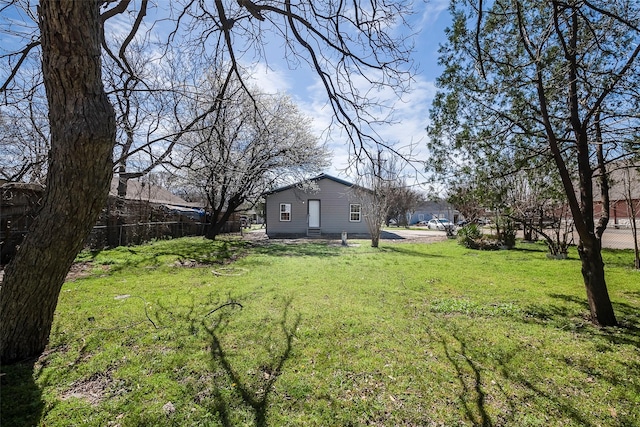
<point>197,333</point>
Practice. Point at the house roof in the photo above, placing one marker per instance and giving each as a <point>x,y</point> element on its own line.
<point>147,192</point>
<point>314,179</point>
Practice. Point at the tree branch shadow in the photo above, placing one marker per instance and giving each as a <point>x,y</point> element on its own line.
<point>567,314</point>
<point>472,397</point>
<point>254,396</point>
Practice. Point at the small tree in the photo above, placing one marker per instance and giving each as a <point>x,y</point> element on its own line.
<point>629,177</point>
<point>375,206</point>
<point>402,202</point>
<point>545,79</point>
<point>374,189</point>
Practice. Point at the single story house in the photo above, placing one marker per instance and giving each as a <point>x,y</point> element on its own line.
<point>323,206</point>
<point>435,209</point>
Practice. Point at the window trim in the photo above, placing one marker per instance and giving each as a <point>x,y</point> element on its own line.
<point>287,210</point>
<point>352,212</point>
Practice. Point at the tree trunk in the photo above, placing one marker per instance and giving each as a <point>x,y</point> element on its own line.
<point>219,220</point>
<point>634,233</point>
<point>593,274</point>
<point>375,237</point>
<point>82,124</point>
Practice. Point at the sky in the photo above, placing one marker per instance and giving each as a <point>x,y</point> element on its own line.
<point>411,114</point>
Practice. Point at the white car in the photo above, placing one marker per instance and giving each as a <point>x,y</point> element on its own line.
<point>439,224</point>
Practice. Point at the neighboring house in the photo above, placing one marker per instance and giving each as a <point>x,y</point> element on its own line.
<point>624,191</point>
<point>435,209</point>
<point>324,206</point>
<point>150,193</point>
<point>144,196</point>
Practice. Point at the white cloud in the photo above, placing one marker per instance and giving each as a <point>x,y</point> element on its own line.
<point>406,133</point>
<point>431,13</point>
<point>268,79</point>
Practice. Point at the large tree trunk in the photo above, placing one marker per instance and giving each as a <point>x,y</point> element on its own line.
<point>219,219</point>
<point>593,274</point>
<point>82,125</point>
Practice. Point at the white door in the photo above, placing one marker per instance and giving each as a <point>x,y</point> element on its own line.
<point>314,213</point>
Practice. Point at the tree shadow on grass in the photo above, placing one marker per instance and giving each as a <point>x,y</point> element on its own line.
<point>255,394</point>
<point>21,401</point>
<point>559,401</point>
<point>320,249</point>
<point>187,251</point>
<point>403,250</point>
<point>574,314</point>
<point>486,377</point>
<point>628,330</point>
<point>472,397</point>
<point>530,249</point>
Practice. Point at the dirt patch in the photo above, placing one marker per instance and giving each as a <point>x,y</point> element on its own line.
<point>91,389</point>
<point>80,270</point>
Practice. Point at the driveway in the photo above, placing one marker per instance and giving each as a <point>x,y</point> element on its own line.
<point>402,235</point>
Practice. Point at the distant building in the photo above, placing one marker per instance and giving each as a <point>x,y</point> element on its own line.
<point>624,189</point>
<point>435,209</point>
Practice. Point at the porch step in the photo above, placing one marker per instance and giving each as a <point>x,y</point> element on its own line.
<point>314,232</point>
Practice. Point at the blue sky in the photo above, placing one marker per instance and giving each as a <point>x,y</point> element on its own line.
<point>412,113</point>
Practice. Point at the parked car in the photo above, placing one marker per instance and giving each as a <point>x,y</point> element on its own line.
<point>440,224</point>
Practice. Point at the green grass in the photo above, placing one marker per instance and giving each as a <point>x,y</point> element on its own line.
<point>407,334</point>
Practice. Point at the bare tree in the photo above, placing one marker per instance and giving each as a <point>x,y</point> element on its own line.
<point>376,179</point>
<point>402,199</point>
<point>239,153</point>
<point>339,41</point>
<point>24,129</point>
<point>24,144</point>
<point>624,179</point>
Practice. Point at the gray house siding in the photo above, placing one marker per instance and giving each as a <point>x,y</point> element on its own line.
<point>335,198</point>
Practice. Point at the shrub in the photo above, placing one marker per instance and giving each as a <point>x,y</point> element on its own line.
<point>508,234</point>
<point>470,236</point>
<point>506,229</point>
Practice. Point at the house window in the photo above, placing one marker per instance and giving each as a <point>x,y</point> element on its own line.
<point>354,213</point>
<point>285,211</point>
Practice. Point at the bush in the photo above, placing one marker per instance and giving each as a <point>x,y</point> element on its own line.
<point>508,234</point>
<point>506,228</point>
<point>470,236</point>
